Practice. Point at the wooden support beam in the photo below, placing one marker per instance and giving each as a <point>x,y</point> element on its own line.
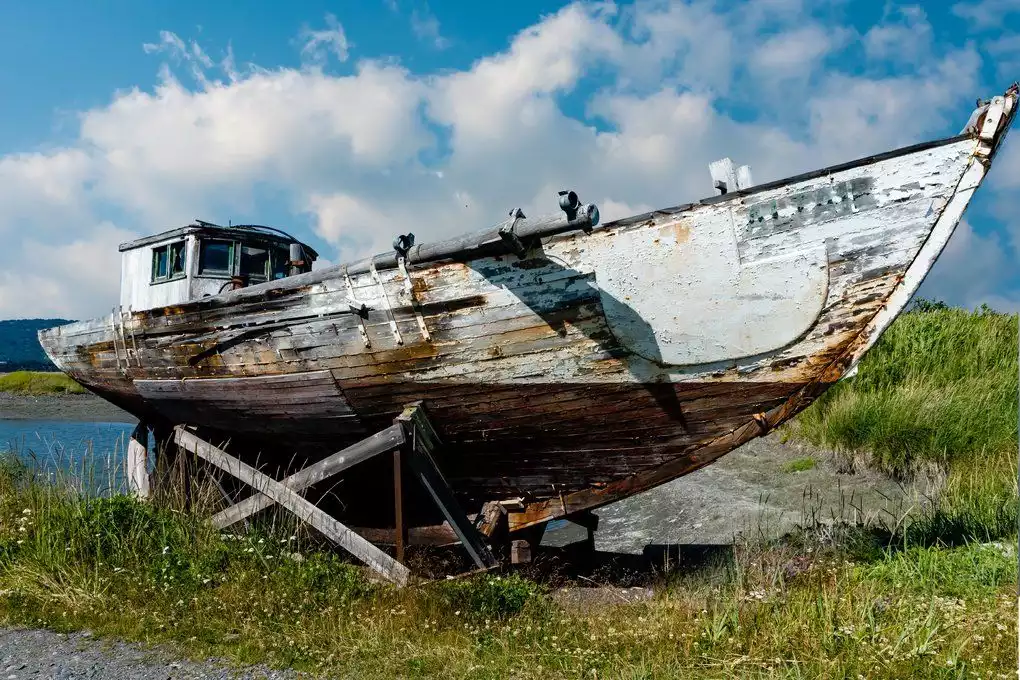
<point>422,441</point>
<point>381,442</point>
<point>490,520</point>
<point>137,464</point>
<point>375,558</point>
<point>399,528</point>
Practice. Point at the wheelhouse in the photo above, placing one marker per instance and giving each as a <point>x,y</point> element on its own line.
<point>204,259</point>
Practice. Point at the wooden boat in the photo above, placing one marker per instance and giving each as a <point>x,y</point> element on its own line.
<point>567,364</point>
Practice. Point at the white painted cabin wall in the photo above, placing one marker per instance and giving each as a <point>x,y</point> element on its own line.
<point>203,286</point>
<point>137,292</point>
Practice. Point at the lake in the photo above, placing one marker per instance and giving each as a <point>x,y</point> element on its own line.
<point>90,453</point>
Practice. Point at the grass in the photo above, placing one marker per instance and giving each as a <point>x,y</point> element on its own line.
<point>800,465</point>
<point>804,608</point>
<point>937,394</point>
<point>932,597</point>
<point>39,383</point>
<point>939,387</point>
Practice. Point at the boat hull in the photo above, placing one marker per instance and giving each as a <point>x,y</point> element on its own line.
<point>593,367</point>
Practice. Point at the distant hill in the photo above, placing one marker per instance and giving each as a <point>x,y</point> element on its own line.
<point>19,345</point>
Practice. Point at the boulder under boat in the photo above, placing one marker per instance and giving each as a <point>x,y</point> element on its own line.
<point>566,364</point>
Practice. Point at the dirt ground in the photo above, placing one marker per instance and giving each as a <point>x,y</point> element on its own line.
<point>750,490</point>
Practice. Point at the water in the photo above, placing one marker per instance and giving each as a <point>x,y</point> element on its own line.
<point>88,454</point>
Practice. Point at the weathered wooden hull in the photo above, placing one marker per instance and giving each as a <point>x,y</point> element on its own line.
<point>599,365</point>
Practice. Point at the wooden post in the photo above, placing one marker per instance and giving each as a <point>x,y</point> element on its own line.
<point>399,528</point>
<point>375,558</point>
<point>423,441</point>
<point>137,464</point>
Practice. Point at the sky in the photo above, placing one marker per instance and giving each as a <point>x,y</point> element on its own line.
<point>347,123</point>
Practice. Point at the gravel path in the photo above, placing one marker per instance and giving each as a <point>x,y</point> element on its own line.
<point>79,656</point>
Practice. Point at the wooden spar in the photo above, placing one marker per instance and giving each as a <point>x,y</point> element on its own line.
<point>485,242</point>
<point>378,443</point>
<point>138,461</point>
<point>375,558</point>
<point>423,441</point>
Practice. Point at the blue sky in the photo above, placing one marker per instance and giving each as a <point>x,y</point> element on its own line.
<point>349,122</point>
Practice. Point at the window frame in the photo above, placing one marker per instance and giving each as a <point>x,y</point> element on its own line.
<point>167,250</point>
<point>266,267</point>
<point>274,251</point>
<point>232,256</point>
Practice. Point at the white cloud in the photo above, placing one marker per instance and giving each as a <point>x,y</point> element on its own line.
<point>175,152</point>
<point>986,14</point>
<point>382,151</point>
<point>426,26</point>
<point>318,45</point>
<point>511,92</point>
<point>857,115</point>
<point>905,37</point>
<point>1005,51</point>
<point>47,188</point>
<point>796,53</point>
<point>78,274</point>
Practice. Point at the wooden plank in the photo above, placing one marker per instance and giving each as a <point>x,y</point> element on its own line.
<point>138,461</point>
<point>369,447</point>
<point>375,558</point>
<point>423,440</point>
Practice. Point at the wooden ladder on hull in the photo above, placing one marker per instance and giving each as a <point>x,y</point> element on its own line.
<point>411,439</point>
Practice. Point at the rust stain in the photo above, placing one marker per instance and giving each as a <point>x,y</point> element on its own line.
<point>680,232</point>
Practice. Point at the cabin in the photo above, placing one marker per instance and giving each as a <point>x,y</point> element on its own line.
<point>204,259</point>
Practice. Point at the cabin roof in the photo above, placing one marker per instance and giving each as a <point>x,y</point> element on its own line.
<point>251,232</point>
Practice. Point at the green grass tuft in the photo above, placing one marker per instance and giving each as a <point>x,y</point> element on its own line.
<point>800,465</point>
<point>937,392</point>
<point>939,386</point>
<point>39,383</point>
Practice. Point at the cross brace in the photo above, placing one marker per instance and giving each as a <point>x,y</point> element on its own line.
<point>411,433</point>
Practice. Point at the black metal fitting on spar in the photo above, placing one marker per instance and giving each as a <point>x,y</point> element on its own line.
<point>402,244</point>
<point>512,235</point>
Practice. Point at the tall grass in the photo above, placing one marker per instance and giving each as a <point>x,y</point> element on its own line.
<point>39,383</point>
<point>937,393</point>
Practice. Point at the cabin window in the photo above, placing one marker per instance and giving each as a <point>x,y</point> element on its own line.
<point>168,262</point>
<point>254,263</point>
<point>216,258</point>
<point>278,262</point>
